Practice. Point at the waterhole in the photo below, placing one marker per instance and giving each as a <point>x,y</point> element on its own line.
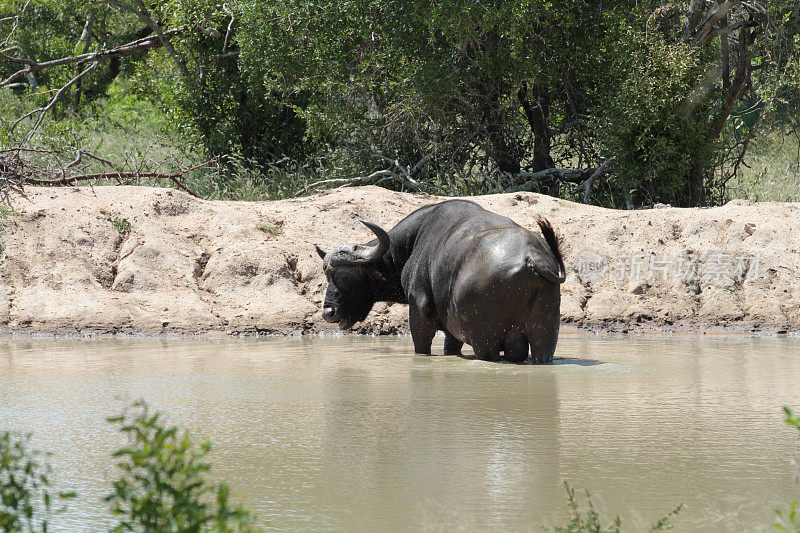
<point>358,434</point>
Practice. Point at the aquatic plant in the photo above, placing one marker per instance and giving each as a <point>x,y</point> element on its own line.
<point>592,522</point>
<point>26,502</point>
<point>163,486</point>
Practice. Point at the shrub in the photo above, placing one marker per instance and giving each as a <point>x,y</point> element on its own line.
<point>592,522</point>
<point>790,521</point>
<point>25,499</point>
<point>657,132</point>
<point>163,485</point>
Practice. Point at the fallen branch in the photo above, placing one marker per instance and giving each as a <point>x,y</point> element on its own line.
<point>531,180</point>
<point>175,178</point>
<point>405,175</point>
<point>14,172</point>
<point>356,181</point>
<point>586,185</point>
<point>70,180</point>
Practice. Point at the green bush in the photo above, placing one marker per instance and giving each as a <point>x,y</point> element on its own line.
<point>656,129</point>
<point>163,487</point>
<point>26,502</point>
<point>592,522</point>
<point>790,521</point>
<point>475,92</point>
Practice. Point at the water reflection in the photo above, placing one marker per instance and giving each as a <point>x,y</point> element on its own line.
<point>357,434</point>
<point>574,361</point>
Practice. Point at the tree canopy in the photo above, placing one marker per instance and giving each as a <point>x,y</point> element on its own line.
<point>616,102</point>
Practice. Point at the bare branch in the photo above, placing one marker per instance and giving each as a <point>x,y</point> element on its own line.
<point>8,81</point>
<point>56,97</point>
<point>146,18</point>
<point>693,15</point>
<point>230,27</point>
<point>18,149</point>
<point>359,180</point>
<point>14,172</point>
<point>138,45</point>
<point>705,32</point>
<point>586,186</point>
<point>216,57</point>
<point>14,27</point>
<point>421,163</point>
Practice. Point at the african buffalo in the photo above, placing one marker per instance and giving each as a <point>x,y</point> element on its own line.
<point>476,275</point>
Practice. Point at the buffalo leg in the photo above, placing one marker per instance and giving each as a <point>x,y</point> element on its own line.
<point>423,328</point>
<point>542,350</point>
<point>543,340</point>
<point>515,349</point>
<point>452,346</point>
<point>486,352</point>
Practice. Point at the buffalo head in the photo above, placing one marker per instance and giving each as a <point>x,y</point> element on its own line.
<point>351,272</point>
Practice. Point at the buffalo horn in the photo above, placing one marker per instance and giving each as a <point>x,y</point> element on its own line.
<point>373,253</point>
<point>363,253</point>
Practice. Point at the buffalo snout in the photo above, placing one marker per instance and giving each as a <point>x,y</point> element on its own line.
<point>330,314</point>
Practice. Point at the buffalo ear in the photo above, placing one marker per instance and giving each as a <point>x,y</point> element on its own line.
<point>320,252</point>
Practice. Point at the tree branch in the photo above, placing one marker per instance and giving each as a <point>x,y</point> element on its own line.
<point>16,172</point>
<point>132,47</point>
<point>705,31</point>
<point>586,186</point>
<point>358,180</point>
<point>230,27</point>
<point>147,19</point>
<point>693,15</point>
<point>55,98</point>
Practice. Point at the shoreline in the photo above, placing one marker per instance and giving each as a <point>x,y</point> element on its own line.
<point>622,330</point>
<point>143,261</point>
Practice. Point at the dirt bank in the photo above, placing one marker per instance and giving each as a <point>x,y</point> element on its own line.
<point>71,264</point>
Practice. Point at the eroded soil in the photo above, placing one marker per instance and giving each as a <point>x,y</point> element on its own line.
<point>190,266</point>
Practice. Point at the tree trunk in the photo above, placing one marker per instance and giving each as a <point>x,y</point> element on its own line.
<point>500,152</point>
<point>488,92</point>
<point>733,90</point>
<point>537,114</point>
<point>697,189</point>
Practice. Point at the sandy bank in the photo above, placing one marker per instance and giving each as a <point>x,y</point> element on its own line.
<point>195,266</point>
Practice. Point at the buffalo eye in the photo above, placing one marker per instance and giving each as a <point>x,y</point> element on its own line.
<point>345,278</point>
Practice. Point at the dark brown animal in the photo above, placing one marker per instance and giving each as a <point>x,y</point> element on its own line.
<point>478,276</point>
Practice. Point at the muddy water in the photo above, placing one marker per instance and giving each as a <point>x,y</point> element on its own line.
<point>357,434</point>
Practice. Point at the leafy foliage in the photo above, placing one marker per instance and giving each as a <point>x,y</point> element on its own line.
<point>121,224</point>
<point>409,80</point>
<point>655,130</point>
<point>592,522</point>
<point>26,502</point>
<point>790,521</point>
<point>163,487</point>
<point>470,95</point>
